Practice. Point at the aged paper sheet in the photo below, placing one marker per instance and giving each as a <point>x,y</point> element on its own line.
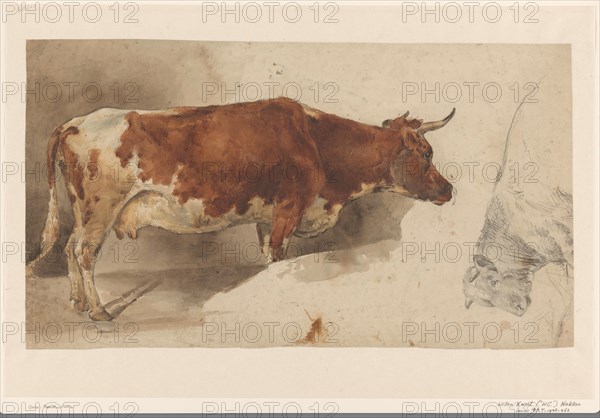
<point>250,178</point>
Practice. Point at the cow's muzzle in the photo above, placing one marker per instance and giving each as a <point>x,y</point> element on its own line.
<point>445,195</point>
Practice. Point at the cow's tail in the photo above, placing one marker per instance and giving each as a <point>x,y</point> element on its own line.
<point>52,226</point>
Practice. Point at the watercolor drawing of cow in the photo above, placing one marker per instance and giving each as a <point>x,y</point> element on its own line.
<point>279,164</point>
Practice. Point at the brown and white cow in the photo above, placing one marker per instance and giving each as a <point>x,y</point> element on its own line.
<point>273,163</point>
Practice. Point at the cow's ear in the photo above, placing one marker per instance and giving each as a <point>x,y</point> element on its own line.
<point>414,123</point>
<point>386,123</point>
<point>482,262</point>
<point>474,273</point>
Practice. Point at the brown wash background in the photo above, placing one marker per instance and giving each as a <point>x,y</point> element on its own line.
<point>370,294</point>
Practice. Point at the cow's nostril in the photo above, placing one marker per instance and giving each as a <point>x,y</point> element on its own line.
<point>448,188</point>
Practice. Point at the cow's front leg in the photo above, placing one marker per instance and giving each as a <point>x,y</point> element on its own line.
<point>287,217</point>
<point>92,236</point>
<point>263,232</point>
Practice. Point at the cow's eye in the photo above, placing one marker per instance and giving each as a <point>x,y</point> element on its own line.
<point>494,282</point>
<point>427,155</point>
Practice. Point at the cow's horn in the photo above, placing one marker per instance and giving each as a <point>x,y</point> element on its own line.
<point>432,126</point>
<point>468,303</point>
<point>405,115</point>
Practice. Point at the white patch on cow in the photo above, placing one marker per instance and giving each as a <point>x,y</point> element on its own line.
<point>259,211</point>
<point>100,130</point>
<point>266,248</point>
<point>309,111</point>
<point>365,189</point>
<point>317,219</point>
<point>267,252</point>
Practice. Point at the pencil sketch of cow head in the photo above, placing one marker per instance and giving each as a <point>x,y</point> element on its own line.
<point>488,285</point>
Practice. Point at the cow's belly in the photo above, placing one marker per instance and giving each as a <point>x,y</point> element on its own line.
<point>164,211</point>
<point>317,219</point>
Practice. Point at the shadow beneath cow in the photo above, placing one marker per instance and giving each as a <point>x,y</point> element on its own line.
<point>128,270</point>
<point>169,292</point>
<point>375,218</point>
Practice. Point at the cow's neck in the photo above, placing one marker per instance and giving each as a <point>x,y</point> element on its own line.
<point>497,237</point>
<point>357,158</point>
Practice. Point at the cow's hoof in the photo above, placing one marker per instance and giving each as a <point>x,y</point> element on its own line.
<point>80,305</point>
<point>29,272</point>
<point>100,315</point>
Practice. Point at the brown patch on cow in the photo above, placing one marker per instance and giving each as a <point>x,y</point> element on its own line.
<point>63,168</point>
<point>88,212</point>
<point>227,155</point>
<point>89,207</point>
<point>72,167</point>
<point>67,164</point>
<point>72,198</point>
<point>92,166</point>
<point>53,144</point>
<point>89,204</point>
<point>192,110</point>
<point>184,109</point>
<point>315,333</point>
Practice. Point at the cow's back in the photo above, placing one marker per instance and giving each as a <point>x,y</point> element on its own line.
<point>224,155</point>
<point>539,148</point>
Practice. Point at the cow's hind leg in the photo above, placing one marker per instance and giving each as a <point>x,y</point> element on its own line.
<point>78,297</point>
<point>77,287</point>
<point>90,241</point>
